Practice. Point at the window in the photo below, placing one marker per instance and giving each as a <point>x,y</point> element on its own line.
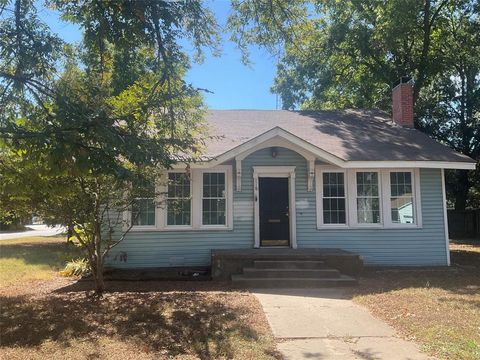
<point>333,198</point>
<point>401,198</point>
<point>368,198</point>
<point>143,208</point>
<point>179,200</point>
<point>201,199</point>
<point>213,198</point>
<point>356,198</point>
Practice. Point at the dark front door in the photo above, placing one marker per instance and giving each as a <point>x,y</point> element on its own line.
<point>273,206</point>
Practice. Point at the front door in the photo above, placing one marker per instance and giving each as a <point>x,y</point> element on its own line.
<point>273,206</point>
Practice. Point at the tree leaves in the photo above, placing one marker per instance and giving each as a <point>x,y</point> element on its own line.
<point>81,125</point>
<point>346,54</point>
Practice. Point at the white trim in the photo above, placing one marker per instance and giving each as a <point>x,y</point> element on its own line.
<point>353,199</point>
<point>128,216</point>
<point>381,164</point>
<point>227,170</point>
<point>415,173</point>
<point>384,195</point>
<point>411,164</point>
<point>281,172</point>
<point>270,134</point>
<point>277,141</point>
<point>165,207</point>
<point>280,142</point>
<point>418,197</point>
<point>196,178</point>
<point>238,173</point>
<point>445,217</point>
<point>319,196</point>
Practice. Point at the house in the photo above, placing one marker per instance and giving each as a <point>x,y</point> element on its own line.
<point>360,181</point>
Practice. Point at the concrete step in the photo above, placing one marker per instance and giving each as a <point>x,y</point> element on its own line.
<point>243,281</point>
<point>288,264</point>
<point>291,273</point>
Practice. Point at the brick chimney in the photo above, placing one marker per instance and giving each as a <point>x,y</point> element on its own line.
<point>402,102</point>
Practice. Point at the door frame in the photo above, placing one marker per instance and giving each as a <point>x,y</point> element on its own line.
<point>281,172</point>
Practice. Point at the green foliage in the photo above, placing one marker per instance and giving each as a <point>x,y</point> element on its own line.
<point>345,54</point>
<point>76,267</point>
<point>82,124</point>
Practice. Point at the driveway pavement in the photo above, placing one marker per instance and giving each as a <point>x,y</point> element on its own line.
<point>324,324</point>
<point>33,230</point>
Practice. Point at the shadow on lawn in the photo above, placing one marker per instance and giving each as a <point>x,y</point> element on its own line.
<point>176,323</point>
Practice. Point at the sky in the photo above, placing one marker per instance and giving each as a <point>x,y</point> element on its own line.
<point>233,85</point>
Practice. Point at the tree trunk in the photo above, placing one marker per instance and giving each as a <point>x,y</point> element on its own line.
<point>99,282</point>
<point>462,188</point>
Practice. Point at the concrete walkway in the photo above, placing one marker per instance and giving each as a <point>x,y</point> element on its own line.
<point>33,230</point>
<point>324,324</point>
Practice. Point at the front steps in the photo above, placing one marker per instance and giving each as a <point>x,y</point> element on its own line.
<point>291,274</point>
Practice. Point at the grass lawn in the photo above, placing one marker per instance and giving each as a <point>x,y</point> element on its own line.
<point>439,309</point>
<point>33,258</point>
<point>44,316</point>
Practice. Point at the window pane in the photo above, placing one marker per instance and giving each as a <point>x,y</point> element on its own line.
<point>401,183</point>
<point>367,184</point>
<point>213,185</point>
<point>334,211</point>
<point>178,185</point>
<point>143,212</point>
<point>368,210</point>
<point>368,202</point>
<point>178,199</point>
<point>214,201</point>
<point>214,212</point>
<point>402,210</point>
<point>402,202</point>
<point>178,211</point>
<point>333,198</point>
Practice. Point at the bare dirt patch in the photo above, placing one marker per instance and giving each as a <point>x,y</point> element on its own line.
<point>135,320</point>
<point>45,316</point>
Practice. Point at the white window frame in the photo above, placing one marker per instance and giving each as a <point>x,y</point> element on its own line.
<point>227,170</point>
<point>196,192</point>
<point>354,196</point>
<point>127,217</point>
<point>351,198</point>
<point>417,213</point>
<point>319,196</point>
<point>165,205</point>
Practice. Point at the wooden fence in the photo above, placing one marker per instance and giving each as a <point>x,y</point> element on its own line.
<point>464,224</point>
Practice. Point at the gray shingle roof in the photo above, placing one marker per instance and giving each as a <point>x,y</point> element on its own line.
<point>351,135</point>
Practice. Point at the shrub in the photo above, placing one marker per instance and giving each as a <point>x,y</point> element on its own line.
<point>76,267</point>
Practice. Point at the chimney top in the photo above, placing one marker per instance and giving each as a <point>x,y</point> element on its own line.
<point>402,102</point>
<point>403,80</point>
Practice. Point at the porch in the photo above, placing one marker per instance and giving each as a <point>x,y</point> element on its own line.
<point>231,263</point>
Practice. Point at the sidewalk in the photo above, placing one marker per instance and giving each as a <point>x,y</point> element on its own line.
<point>33,230</point>
<point>325,324</point>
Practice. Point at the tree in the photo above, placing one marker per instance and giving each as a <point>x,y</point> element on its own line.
<point>85,130</point>
<point>340,54</point>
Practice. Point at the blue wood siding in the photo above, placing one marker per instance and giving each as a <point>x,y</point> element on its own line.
<point>404,247</point>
